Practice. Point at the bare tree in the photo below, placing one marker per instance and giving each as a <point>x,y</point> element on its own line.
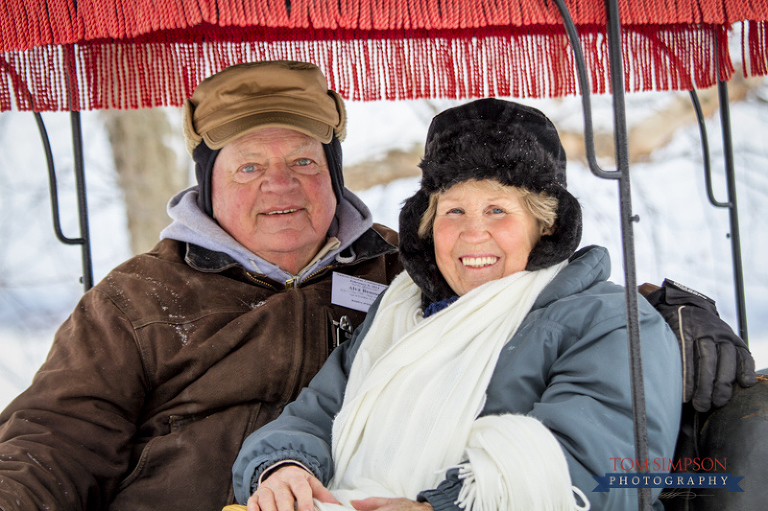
<point>658,129</point>
<point>148,167</point>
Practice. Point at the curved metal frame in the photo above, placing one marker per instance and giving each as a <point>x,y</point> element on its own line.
<point>82,205</point>
<point>627,218</point>
<point>731,204</point>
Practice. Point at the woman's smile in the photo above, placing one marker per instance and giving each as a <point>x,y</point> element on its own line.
<point>478,262</point>
<point>482,232</point>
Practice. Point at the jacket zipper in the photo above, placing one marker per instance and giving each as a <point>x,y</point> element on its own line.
<point>290,283</point>
<point>262,282</point>
<point>318,271</point>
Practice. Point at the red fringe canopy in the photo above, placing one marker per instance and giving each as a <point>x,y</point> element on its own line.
<point>94,54</point>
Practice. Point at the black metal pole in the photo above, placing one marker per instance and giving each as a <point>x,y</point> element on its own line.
<point>82,204</point>
<point>705,151</point>
<point>628,246</point>
<point>84,239</point>
<point>633,325</point>
<point>733,210</point>
<point>627,218</point>
<point>731,203</point>
<point>77,149</point>
<point>52,184</point>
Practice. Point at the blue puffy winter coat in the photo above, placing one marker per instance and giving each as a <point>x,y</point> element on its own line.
<point>567,365</point>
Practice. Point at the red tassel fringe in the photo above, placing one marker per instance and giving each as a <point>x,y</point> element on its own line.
<point>144,53</point>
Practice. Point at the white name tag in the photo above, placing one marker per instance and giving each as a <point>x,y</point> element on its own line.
<point>354,292</point>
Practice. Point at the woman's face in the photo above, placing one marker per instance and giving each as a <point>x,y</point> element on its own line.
<point>481,234</point>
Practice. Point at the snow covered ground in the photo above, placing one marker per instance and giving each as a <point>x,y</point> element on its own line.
<point>679,234</point>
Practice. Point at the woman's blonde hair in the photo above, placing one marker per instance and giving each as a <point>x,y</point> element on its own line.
<point>541,206</point>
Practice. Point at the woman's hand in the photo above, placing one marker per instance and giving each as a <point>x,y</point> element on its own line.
<point>383,504</point>
<point>287,486</point>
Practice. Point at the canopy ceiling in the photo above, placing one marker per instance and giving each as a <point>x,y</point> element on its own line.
<point>93,54</point>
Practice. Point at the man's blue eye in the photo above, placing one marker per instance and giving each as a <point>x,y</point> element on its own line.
<point>303,162</point>
<point>497,211</point>
<point>248,169</point>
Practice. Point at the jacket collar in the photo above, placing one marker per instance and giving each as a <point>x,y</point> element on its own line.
<point>587,266</point>
<point>369,245</point>
<point>209,261</point>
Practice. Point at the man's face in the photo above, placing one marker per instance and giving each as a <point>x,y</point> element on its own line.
<point>272,192</point>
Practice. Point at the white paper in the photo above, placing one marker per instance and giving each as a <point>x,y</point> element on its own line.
<point>354,292</point>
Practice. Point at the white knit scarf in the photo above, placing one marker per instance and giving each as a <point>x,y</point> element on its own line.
<point>416,388</point>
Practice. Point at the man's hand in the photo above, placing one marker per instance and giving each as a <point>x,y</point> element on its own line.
<point>714,357</point>
<point>384,504</point>
<point>288,486</point>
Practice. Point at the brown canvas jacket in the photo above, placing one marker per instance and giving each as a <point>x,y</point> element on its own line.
<point>162,370</point>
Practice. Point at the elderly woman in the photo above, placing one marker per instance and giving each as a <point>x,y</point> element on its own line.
<point>493,373</point>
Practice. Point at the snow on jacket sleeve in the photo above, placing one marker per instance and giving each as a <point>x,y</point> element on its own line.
<point>81,396</point>
<point>302,432</point>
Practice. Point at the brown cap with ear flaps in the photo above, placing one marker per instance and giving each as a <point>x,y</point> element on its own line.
<point>255,95</point>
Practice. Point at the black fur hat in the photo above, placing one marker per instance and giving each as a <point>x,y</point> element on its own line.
<point>511,143</point>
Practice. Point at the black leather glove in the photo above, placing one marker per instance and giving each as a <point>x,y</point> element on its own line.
<point>714,357</point>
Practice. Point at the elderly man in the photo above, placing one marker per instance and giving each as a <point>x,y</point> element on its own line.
<point>170,362</point>
<point>177,355</point>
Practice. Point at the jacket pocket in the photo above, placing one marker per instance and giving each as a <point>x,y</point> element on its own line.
<point>175,424</point>
<point>140,464</point>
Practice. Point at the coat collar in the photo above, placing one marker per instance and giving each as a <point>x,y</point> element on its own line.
<point>369,245</point>
<point>588,265</point>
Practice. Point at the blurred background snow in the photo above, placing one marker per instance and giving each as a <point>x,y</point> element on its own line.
<point>679,235</point>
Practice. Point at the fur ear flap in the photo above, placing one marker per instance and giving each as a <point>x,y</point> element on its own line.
<point>564,240</point>
<point>418,254</point>
<point>340,130</point>
<point>191,137</point>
